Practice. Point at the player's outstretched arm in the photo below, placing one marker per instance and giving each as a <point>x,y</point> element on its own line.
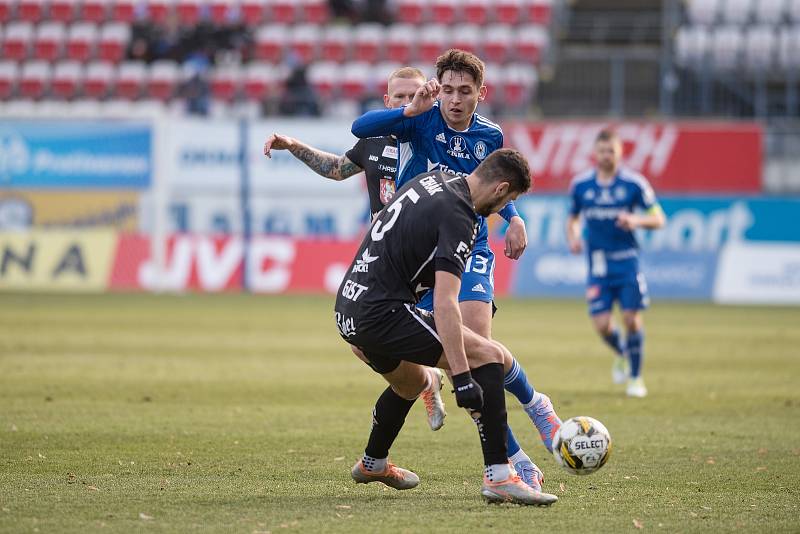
<point>652,219</point>
<point>323,163</point>
<point>390,121</point>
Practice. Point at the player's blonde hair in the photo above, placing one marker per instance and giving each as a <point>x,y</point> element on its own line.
<point>460,61</point>
<point>408,73</point>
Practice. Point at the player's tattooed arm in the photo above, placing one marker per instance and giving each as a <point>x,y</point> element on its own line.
<point>323,163</point>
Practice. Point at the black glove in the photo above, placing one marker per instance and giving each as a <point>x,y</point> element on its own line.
<point>468,392</point>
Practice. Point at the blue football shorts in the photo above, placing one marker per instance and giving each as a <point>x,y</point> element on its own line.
<point>629,291</point>
<point>477,282</point>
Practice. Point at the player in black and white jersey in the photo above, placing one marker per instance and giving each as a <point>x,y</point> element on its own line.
<point>377,158</point>
<point>422,240</point>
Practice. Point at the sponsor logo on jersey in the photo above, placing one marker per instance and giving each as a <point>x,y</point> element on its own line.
<point>605,197</point>
<point>431,185</point>
<point>352,290</point>
<point>373,157</point>
<point>458,147</point>
<point>479,288</point>
<point>619,192</point>
<point>480,150</point>
<point>386,190</point>
<point>440,137</point>
<point>589,194</point>
<point>390,152</point>
<point>362,263</point>
<point>387,168</point>
<point>346,325</point>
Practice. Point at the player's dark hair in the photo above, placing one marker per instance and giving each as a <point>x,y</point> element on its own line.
<point>607,134</point>
<point>506,165</point>
<point>460,61</point>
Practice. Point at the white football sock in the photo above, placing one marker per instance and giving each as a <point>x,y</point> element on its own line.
<point>497,472</point>
<point>518,457</point>
<point>373,465</point>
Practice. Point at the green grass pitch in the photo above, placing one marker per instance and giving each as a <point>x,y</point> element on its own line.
<point>138,413</point>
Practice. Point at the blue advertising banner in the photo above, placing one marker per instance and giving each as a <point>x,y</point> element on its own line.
<point>680,261</point>
<point>64,154</point>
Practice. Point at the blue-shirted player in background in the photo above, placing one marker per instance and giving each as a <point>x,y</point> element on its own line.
<point>439,130</point>
<point>614,202</point>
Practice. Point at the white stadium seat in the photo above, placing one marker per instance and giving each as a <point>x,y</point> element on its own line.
<point>759,49</point>
<point>726,47</point>
<point>737,11</point>
<point>703,11</point>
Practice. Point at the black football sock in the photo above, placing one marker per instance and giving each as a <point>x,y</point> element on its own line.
<point>492,418</point>
<point>387,420</point>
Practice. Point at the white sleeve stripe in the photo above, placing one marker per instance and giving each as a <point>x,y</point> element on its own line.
<point>405,154</point>
<point>426,262</point>
<point>423,323</point>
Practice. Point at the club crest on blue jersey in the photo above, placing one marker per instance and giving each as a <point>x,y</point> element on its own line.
<point>480,150</point>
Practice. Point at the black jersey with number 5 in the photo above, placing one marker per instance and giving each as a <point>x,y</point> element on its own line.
<point>429,226</point>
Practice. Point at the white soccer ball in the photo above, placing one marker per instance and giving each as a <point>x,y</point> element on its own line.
<point>582,445</point>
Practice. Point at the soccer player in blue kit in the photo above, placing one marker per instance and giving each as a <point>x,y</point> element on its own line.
<point>440,130</point>
<point>608,198</point>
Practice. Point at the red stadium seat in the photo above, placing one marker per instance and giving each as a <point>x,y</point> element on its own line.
<point>314,11</point>
<point>17,38</point>
<point>221,11</point>
<point>94,11</point>
<point>530,41</point>
<point>114,38</point>
<point>98,79</point>
<point>466,37</point>
<point>323,76</point>
<point>50,37</point>
<point>130,80</point>
<point>303,41</point>
<point>475,11</point>
<point>410,11</point>
<point>9,74</point>
<point>282,11</point>
<point>123,11</point>
<point>6,9</point>
<point>257,80</point>
<point>400,43</point>
<point>431,42</point>
<point>61,10</point>
<point>35,79</point>
<point>159,10</point>
<point>81,39</point>
<point>188,12</point>
<point>368,42</point>
<point>252,11</point>
<point>519,84</point>
<point>162,79</point>
<point>497,43</point>
<point>270,42</point>
<point>225,82</point>
<point>355,80</point>
<point>444,11</point>
<point>539,11</point>
<point>493,80</point>
<point>336,41</point>
<point>30,10</point>
<point>67,77</point>
<point>508,12</point>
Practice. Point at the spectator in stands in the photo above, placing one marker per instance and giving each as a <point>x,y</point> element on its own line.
<point>376,11</point>
<point>299,97</point>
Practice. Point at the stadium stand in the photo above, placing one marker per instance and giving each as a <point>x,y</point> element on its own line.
<point>135,49</point>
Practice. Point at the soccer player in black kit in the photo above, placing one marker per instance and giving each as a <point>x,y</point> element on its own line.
<point>377,158</point>
<point>421,240</point>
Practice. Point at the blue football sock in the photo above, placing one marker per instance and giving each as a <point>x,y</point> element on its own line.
<point>517,384</point>
<point>636,352</point>
<point>513,446</point>
<point>614,340</point>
